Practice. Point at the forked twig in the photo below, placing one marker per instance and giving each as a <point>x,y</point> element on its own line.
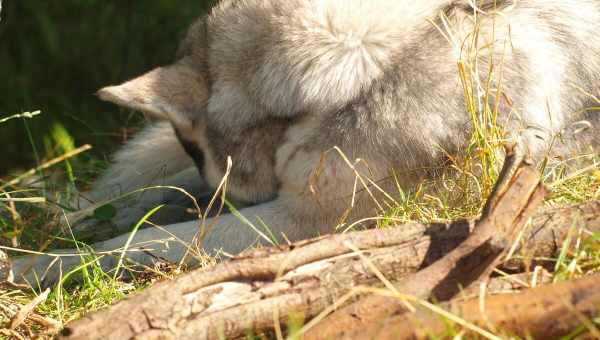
<point>517,194</point>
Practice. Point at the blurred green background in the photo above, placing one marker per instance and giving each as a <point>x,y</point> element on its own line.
<point>55,54</point>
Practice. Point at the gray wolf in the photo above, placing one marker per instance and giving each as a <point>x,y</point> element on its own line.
<point>263,90</point>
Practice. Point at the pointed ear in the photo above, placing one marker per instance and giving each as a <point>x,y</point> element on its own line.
<point>176,93</point>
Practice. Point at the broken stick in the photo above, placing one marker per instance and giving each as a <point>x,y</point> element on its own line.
<point>514,202</point>
<point>545,312</point>
<point>262,288</point>
<point>235,294</point>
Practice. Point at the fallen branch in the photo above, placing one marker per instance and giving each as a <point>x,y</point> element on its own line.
<point>545,312</point>
<point>244,293</point>
<point>259,289</point>
<point>509,208</point>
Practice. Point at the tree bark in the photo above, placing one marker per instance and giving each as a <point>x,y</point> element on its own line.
<point>507,212</point>
<point>545,312</point>
<point>307,277</point>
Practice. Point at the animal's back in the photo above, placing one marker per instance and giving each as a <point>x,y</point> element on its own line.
<point>538,62</point>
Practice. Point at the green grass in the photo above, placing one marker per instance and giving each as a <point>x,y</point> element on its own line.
<point>73,48</point>
<point>458,192</point>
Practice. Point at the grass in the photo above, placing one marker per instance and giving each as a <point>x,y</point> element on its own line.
<point>108,41</point>
<point>462,195</point>
<point>458,192</point>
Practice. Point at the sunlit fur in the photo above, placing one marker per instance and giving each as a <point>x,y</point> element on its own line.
<point>276,84</point>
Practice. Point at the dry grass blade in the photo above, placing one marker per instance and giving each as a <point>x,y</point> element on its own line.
<point>24,200</point>
<point>22,314</point>
<point>46,165</point>
<point>20,115</point>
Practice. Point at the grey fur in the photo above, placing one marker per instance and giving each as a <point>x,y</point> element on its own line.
<point>276,84</point>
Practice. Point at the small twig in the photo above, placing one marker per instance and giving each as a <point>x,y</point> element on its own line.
<point>46,165</point>
<point>21,115</point>
<point>22,315</point>
<point>11,334</point>
<point>52,326</point>
<point>514,158</point>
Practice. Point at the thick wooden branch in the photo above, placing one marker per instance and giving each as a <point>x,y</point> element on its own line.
<point>261,288</point>
<point>233,296</point>
<point>508,210</point>
<point>545,312</point>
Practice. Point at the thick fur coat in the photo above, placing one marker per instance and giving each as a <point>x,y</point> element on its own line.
<point>280,86</point>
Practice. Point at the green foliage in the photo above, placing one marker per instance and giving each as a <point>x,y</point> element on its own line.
<point>56,54</point>
<point>105,212</point>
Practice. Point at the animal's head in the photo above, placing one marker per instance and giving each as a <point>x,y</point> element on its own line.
<point>182,93</point>
<point>250,68</point>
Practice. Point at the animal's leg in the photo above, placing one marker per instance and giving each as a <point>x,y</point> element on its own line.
<point>228,233</point>
<point>177,193</point>
<point>153,158</point>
